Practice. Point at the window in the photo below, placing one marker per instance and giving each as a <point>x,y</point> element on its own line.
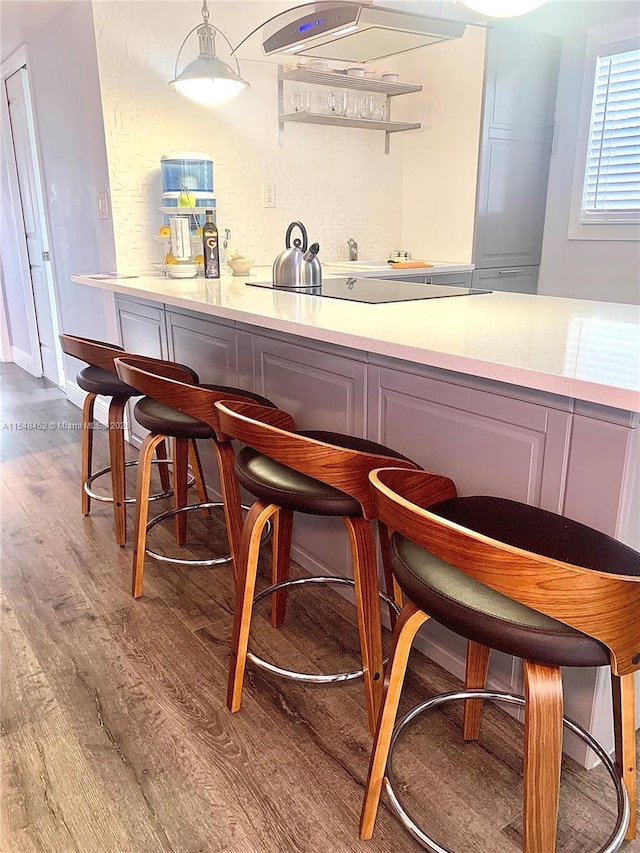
<point>611,189</point>
<point>605,198</point>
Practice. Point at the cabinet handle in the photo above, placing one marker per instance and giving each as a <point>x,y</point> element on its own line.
<point>509,272</point>
<point>428,279</point>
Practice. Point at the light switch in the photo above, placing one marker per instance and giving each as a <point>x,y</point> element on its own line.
<point>103,205</point>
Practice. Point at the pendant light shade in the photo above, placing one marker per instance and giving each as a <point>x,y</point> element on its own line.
<point>207,80</point>
<point>503,8</point>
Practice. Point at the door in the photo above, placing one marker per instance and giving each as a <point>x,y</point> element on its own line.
<point>40,273</point>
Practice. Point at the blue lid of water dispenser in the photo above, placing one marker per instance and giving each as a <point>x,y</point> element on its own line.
<point>192,170</point>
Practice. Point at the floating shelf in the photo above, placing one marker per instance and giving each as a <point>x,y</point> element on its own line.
<point>185,211</point>
<point>342,80</point>
<point>344,121</point>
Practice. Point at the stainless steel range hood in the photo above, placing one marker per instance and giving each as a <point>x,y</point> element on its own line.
<point>352,32</point>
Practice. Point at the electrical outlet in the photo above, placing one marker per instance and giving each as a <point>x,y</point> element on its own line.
<point>268,195</point>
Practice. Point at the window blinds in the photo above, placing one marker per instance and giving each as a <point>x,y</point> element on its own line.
<point>612,175</point>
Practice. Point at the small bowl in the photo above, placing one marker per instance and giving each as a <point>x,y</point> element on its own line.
<point>240,266</point>
<point>182,270</point>
<point>390,77</point>
<point>356,71</point>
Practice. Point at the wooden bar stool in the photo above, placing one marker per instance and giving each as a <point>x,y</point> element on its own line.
<point>526,582</point>
<point>184,411</point>
<point>100,379</point>
<point>318,473</point>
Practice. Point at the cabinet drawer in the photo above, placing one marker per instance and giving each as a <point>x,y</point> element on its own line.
<point>514,279</point>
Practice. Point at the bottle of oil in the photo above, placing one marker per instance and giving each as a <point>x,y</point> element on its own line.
<point>211,250</point>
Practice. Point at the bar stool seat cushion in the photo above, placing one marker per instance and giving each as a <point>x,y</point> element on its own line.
<point>164,420</point>
<point>276,483</point>
<point>97,380</point>
<point>478,613</point>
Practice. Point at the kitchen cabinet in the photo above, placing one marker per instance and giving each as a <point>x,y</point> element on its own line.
<point>561,454</point>
<point>341,81</point>
<point>323,390</point>
<point>207,346</point>
<point>489,440</point>
<point>143,331</point>
<point>521,70</point>
<point>515,279</point>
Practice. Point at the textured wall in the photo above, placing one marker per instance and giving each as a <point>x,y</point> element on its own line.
<point>337,181</point>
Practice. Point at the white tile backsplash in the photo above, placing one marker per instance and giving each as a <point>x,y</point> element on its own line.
<point>337,181</point>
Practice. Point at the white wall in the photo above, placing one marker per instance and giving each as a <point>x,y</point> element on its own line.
<point>441,159</point>
<point>586,269</point>
<point>337,181</point>
<point>66,91</point>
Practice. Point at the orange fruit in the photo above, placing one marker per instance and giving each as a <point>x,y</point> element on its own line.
<point>199,259</point>
<point>169,259</point>
<point>164,231</point>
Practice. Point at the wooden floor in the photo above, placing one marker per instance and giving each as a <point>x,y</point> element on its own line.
<point>115,733</point>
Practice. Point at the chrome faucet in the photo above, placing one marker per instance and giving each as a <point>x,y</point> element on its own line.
<point>353,249</point>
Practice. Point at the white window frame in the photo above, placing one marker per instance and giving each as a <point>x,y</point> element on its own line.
<point>601,41</point>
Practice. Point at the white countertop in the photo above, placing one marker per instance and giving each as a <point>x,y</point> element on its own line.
<point>577,348</point>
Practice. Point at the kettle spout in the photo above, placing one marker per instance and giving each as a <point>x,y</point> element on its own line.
<point>313,250</point>
<point>312,271</point>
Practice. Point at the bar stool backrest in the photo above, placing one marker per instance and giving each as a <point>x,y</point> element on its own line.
<point>271,432</point>
<point>100,354</point>
<point>150,379</point>
<point>605,606</point>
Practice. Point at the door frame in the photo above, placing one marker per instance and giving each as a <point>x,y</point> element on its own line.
<point>33,363</point>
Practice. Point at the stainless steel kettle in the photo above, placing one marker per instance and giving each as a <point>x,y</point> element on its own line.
<point>297,266</point>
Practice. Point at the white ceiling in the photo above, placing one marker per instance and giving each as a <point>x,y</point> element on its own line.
<point>22,19</point>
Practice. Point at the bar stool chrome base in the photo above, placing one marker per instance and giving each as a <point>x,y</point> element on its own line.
<point>216,561</point>
<point>311,678</point>
<point>108,499</point>
<point>614,841</point>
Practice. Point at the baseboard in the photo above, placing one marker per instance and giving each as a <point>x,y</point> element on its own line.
<point>25,361</point>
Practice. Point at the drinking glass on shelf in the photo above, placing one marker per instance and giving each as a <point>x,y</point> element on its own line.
<point>365,106</point>
<point>337,103</point>
<point>379,108</point>
<point>319,103</point>
<point>301,102</point>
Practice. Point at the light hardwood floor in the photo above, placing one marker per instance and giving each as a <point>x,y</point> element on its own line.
<point>114,730</point>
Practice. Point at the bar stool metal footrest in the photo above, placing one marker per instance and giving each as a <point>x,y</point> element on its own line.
<point>614,841</point>
<point>216,561</point>
<point>109,498</point>
<point>311,678</point>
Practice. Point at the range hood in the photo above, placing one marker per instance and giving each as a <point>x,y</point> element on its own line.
<point>352,32</point>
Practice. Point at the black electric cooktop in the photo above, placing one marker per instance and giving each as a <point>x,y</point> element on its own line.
<point>374,290</point>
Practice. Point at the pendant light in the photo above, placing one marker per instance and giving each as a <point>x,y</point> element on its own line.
<point>503,8</point>
<point>207,80</point>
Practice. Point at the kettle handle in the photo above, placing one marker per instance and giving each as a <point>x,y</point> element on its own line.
<point>303,231</point>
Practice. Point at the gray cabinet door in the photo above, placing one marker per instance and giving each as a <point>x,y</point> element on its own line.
<point>487,442</point>
<point>207,346</point>
<point>517,130</point>
<point>514,279</point>
<point>142,328</point>
<point>142,331</point>
<point>322,391</point>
